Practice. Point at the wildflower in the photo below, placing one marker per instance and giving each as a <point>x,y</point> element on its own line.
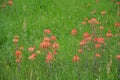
<point>98,55</point>
<point>10,2</point>
<point>84,23</point>
<point>97,1</point>
<point>55,52</point>
<point>86,34</point>
<point>46,39</point>
<point>47,31</point>
<point>74,32</point>
<point>49,57</point>
<point>33,56</point>
<point>45,44</point>
<point>87,37</point>
<point>17,60</point>
<point>18,56</point>
<point>83,42</point>
<point>18,53</point>
<point>55,45</point>
<point>118,56</point>
<point>109,34</point>
<point>16,39</point>
<point>103,12</point>
<point>97,46</point>
<point>118,3</point>
<point>99,40</point>
<point>38,51</point>
<point>31,49</point>
<point>75,58</point>
<point>117,24</point>
<point>53,38</point>
<point>101,27</point>
<point>21,48</point>
<point>93,12</point>
<point>93,21</point>
<point>86,19</point>
<point>80,50</point>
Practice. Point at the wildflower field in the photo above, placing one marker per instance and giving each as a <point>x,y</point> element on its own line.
<point>59,39</point>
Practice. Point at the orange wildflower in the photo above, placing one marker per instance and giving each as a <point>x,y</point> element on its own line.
<point>45,44</point>
<point>93,21</point>
<point>31,49</point>
<point>103,12</point>
<point>74,32</point>
<point>84,23</point>
<point>55,45</point>
<point>18,53</point>
<point>109,34</point>
<point>118,56</point>
<point>86,19</point>
<point>55,52</point>
<point>32,57</point>
<point>75,58</point>
<point>16,39</point>
<point>118,3</point>
<point>46,39</point>
<point>117,24</point>
<point>47,31</point>
<point>49,58</point>
<point>10,2</point>
<point>83,42</point>
<point>99,40</point>
<point>97,55</point>
<point>101,27</point>
<point>97,46</point>
<point>21,48</point>
<point>80,50</point>
<point>53,38</point>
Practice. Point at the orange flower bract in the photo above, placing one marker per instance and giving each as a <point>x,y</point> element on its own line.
<point>75,58</point>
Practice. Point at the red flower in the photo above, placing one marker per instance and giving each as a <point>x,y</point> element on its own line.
<point>10,2</point>
<point>31,49</point>
<point>84,23</point>
<point>118,56</point>
<point>86,34</point>
<point>74,32</point>
<point>109,34</point>
<point>55,52</point>
<point>103,12</point>
<point>49,58</point>
<point>45,44</point>
<point>83,42</point>
<point>16,39</point>
<point>97,55</point>
<point>117,24</point>
<point>75,58</point>
<point>99,40</point>
<point>97,46</point>
<point>55,45</point>
<point>46,39</point>
<point>18,53</point>
<point>18,56</point>
<point>101,27</point>
<point>32,57</point>
<point>47,31</point>
<point>53,38</point>
<point>80,50</point>
<point>118,3</point>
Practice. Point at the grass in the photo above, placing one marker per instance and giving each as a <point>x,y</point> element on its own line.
<point>28,19</point>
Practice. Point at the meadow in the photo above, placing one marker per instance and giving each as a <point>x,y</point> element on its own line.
<point>59,39</point>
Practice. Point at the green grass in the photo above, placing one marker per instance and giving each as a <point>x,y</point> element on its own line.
<point>29,18</point>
